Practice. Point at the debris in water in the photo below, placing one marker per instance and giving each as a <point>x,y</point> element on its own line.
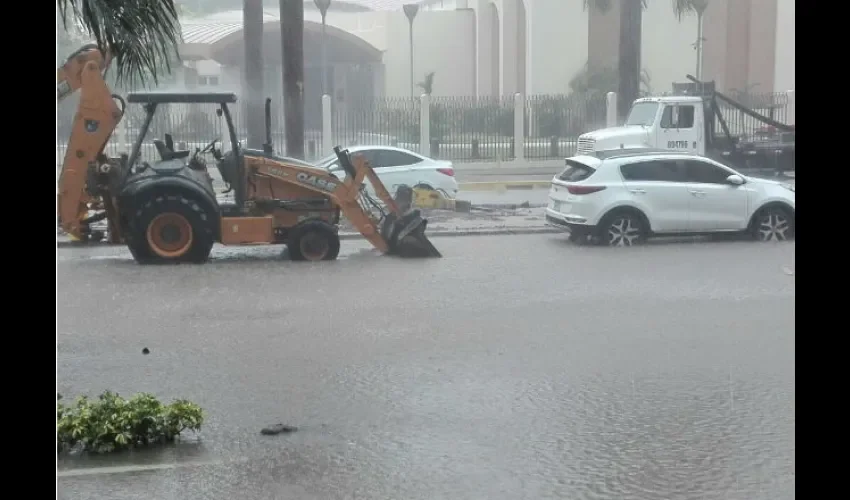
<point>278,429</point>
<point>145,350</point>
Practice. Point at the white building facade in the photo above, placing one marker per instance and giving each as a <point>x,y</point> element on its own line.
<point>499,47</point>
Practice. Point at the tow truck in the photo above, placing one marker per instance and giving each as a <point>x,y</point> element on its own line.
<point>691,120</point>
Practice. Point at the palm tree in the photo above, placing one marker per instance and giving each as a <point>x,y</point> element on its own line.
<point>253,64</point>
<point>631,19</point>
<point>141,35</point>
<point>292,42</point>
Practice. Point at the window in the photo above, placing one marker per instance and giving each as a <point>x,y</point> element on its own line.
<point>678,116</point>
<point>706,173</point>
<point>653,171</point>
<point>369,155</point>
<point>575,172</point>
<point>390,158</point>
<point>642,113</point>
<point>208,80</point>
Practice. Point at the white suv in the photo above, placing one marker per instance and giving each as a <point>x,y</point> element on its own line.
<point>621,197</point>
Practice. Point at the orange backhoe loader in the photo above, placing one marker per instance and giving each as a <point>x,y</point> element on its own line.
<point>167,211</point>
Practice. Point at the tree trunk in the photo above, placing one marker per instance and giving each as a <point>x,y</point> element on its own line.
<point>631,17</point>
<point>252,72</point>
<point>292,45</point>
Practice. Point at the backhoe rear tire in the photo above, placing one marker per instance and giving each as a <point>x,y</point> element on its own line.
<point>171,228</point>
<point>313,241</point>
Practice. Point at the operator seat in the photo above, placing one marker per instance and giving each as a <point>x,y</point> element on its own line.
<point>166,149</point>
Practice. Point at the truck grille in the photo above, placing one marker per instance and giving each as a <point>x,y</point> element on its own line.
<point>585,146</point>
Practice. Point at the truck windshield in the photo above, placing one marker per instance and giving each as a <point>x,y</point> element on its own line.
<point>642,113</point>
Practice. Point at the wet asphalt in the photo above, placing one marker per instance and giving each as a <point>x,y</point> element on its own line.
<point>516,367</point>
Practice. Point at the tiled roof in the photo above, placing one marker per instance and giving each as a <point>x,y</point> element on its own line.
<point>208,33</point>
<point>212,28</point>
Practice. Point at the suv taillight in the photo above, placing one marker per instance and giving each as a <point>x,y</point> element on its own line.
<point>584,189</point>
<point>447,171</point>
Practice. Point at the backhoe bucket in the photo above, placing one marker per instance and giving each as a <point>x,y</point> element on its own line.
<point>405,233</point>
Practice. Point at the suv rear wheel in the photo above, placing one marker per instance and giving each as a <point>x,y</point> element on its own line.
<point>622,228</point>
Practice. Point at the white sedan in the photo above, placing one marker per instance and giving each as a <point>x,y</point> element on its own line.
<point>397,166</point>
<point>622,197</point>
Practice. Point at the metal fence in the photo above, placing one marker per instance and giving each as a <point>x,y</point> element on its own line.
<point>777,106</point>
<point>460,128</point>
<point>389,121</point>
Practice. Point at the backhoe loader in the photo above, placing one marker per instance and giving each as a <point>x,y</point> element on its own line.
<point>167,211</point>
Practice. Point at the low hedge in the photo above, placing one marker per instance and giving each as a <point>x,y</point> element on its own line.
<point>112,423</point>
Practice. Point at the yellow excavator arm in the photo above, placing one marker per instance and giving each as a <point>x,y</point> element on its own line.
<point>96,118</point>
<point>398,229</point>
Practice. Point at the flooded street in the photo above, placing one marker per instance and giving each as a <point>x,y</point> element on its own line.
<point>516,367</point>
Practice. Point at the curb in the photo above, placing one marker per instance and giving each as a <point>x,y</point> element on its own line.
<point>357,236</point>
<point>507,206</point>
<point>502,185</point>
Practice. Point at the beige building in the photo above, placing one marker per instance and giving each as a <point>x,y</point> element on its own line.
<point>748,44</point>
<point>498,47</point>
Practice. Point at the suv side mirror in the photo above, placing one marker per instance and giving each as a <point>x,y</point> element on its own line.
<point>735,180</point>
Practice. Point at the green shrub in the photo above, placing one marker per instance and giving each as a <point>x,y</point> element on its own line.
<point>112,423</point>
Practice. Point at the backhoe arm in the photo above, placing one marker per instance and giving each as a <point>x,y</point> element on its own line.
<point>399,230</point>
<point>96,118</point>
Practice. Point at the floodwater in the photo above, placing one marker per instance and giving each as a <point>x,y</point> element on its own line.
<point>515,367</point>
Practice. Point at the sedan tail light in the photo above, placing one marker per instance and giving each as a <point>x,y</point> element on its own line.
<point>584,189</point>
<point>447,171</point>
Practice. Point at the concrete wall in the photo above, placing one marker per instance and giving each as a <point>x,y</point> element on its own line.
<point>559,43</point>
<point>784,69</point>
<point>667,51</point>
<point>750,44</point>
<point>443,42</point>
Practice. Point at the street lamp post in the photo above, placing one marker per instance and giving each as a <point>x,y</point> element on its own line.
<point>699,6</point>
<point>410,10</point>
<point>323,6</point>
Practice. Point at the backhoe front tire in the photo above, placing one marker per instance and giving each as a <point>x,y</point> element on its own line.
<point>313,241</point>
<point>171,228</point>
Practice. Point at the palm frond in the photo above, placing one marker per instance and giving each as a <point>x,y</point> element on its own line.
<point>684,7</point>
<point>427,85</point>
<point>142,35</point>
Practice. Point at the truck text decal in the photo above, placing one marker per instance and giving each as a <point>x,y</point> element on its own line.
<point>677,144</point>
<point>316,182</point>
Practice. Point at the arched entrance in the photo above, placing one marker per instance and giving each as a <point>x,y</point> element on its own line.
<point>355,68</point>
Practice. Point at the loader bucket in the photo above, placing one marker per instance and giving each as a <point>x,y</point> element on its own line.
<point>405,232</point>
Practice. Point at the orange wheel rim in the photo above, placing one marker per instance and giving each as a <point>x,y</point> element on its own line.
<point>314,246</point>
<point>170,235</point>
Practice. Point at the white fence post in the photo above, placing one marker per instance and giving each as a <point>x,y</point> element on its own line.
<point>519,127</point>
<point>790,115</point>
<point>425,125</point>
<point>327,129</point>
<point>611,110</point>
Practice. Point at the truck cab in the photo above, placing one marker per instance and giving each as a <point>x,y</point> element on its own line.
<point>671,122</point>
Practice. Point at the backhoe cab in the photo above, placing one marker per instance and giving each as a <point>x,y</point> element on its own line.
<point>168,210</point>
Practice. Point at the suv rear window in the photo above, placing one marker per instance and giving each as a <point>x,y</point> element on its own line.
<point>575,172</point>
<point>653,170</point>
